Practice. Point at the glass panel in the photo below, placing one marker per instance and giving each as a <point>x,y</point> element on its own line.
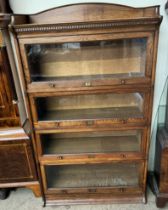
<point>94,175</point>
<point>91,142</point>
<point>83,60</point>
<point>162,112</point>
<point>90,106</point>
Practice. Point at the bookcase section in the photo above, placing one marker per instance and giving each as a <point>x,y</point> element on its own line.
<point>89,72</point>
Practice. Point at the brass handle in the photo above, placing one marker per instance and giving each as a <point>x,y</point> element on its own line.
<point>57,124</point>
<point>124,121</point>
<point>88,84</point>
<point>14,102</point>
<point>122,190</point>
<point>123,82</point>
<point>64,191</point>
<point>92,190</point>
<point>52,85</point>
<point>91,156</point>
<point>123,155</point>
<point>89,123</point>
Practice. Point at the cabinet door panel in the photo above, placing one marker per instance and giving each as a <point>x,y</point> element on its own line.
<point>90,108</point>
<point>85,60</point>
<point>16,162</point>
<point>91,142</point>
<point>4,100</point>
<point>107,176</point>
<point>81,61</point>
<point>8,110</point>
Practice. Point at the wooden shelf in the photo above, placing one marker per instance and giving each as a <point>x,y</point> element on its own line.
<point>46,78</point>
<point>95,198</point>
<point>81,114</point>
<point>78,143</point>
<point>93,175</point>
<point>90,106</point>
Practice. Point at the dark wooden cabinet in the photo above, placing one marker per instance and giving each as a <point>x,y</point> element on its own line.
<point>158,179</point>
<point>88,72</point>
<point>8,107</point>
<point>161,164</point>
<point>16,158</point>
<point>17,162</point>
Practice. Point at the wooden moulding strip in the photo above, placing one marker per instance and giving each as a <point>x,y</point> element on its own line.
<point>93,199</point>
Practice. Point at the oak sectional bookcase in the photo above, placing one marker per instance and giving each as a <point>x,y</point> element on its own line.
<point>88,72</point>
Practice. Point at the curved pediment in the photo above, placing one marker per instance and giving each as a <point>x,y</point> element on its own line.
<point>86,16</point>
<point>89,12</point>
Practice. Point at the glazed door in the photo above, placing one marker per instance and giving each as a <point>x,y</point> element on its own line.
<point>84,62</point>
<point>90,110</point>
<point>123,177</point>
<point>81,147</point>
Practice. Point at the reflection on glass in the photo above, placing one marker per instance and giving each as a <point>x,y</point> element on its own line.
<point>93,175</point>
<point>94,142</point>
<point>90,106</point>
<point>83,60</point>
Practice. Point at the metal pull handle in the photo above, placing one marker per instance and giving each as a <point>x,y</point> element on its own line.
<point>57,124</point>
<point>88,84</point>
<point>52,85</point>
<point>60,157</point>
<point>123,155</point>
<point>122,190</point>
<point>123,82</point>
<point>89,123</point>
<point>92,190</point>
<point>124,121</point>
<point>91,156</point>
<point>14,102</point>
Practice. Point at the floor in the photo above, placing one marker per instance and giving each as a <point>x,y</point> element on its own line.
<point>23,199</point>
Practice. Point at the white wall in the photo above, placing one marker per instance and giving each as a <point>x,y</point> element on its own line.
<point>31,6</point>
